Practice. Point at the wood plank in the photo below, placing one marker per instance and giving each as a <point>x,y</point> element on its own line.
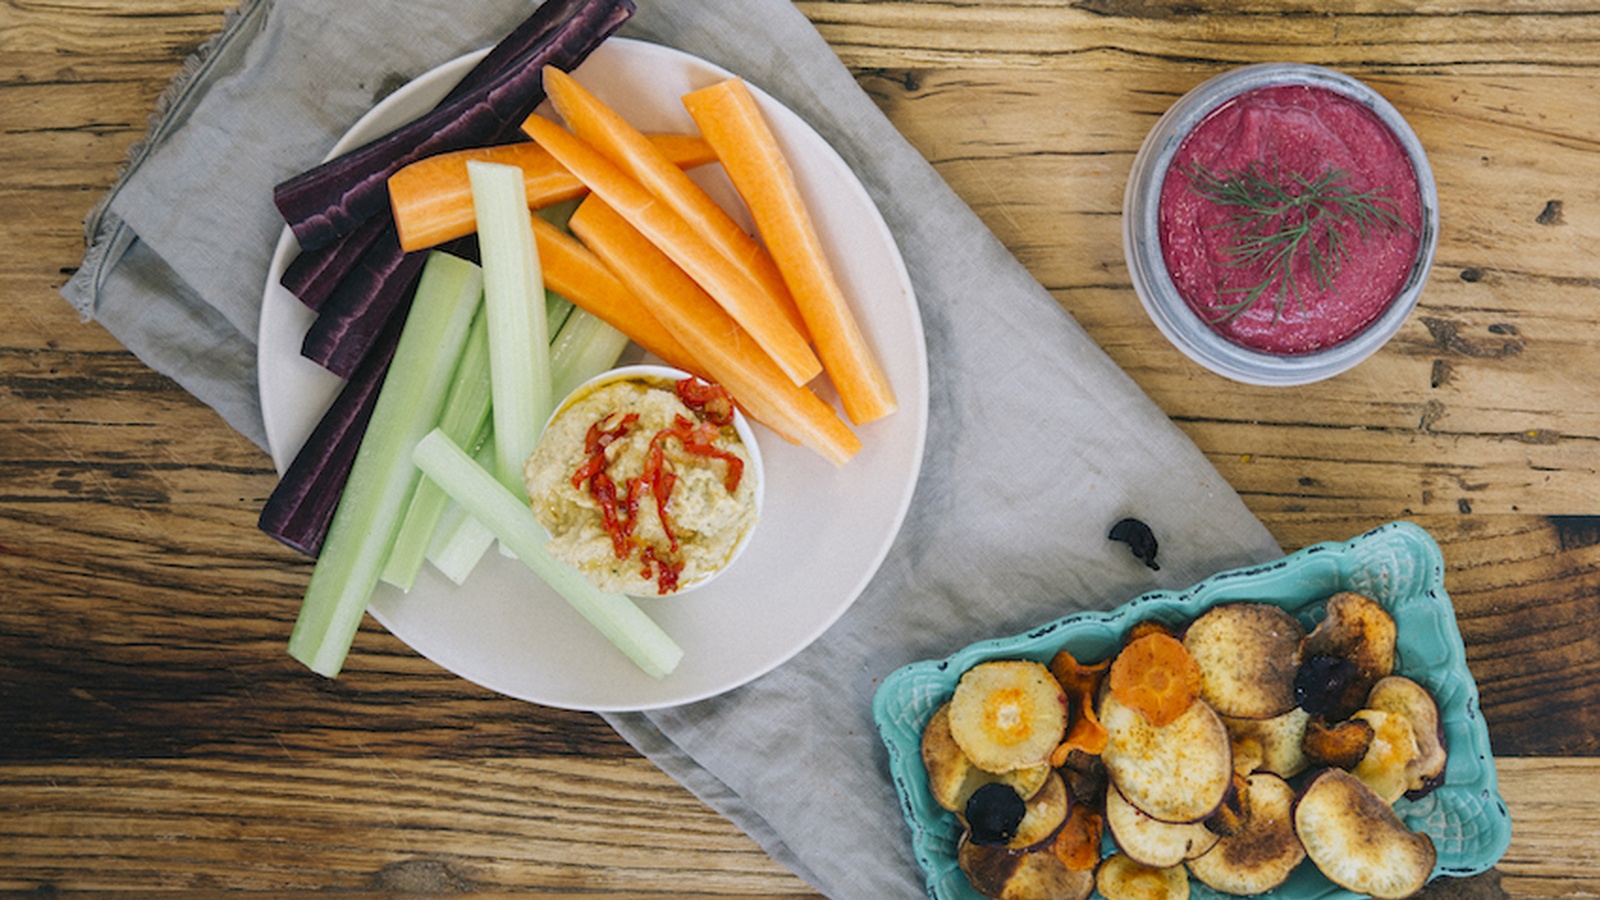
<point>1397,472</point>
<point>114,647</point>
<point>1143,35</point>
<point>195,826</point>
<point>492,824</point>
<point>89,40</point>
<point>1555,811</point>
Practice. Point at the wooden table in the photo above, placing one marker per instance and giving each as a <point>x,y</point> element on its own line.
<point>154,736</point>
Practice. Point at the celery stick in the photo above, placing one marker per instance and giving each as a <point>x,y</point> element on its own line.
<point>465,414</point>
<point>585,347</point>
<point>616,616</point>
<point>460,540</point>
<point>519,339</point>
<point>459,543</point>
<point>558,309</point>
<point>383,477</point>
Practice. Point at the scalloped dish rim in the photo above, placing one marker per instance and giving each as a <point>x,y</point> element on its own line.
<point>1469,804</point>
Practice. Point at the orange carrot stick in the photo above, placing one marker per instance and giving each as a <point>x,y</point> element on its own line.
<point>726,351</point>
<point>729,285</point>
<point>573,271</point>
<point>733,124</point>
<point>588,117</point>
<point>432,199</point>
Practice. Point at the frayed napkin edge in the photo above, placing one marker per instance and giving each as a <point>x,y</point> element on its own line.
<point>106,236</point>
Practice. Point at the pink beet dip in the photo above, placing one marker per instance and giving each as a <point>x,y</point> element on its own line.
<point>1290,136</point>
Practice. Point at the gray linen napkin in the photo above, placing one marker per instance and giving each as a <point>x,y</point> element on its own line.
<point>1037,442</point>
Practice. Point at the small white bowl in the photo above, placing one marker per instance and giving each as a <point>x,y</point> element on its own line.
<point>1155,287</point>
<point>755,471</point>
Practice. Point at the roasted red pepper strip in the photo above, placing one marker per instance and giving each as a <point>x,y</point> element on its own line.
<point>711,401</point>
<point>604,491</point>
<point>698,439</point>
<point>601,486</point>
<point>595,443</point>
<point>659,482</point>
<point>666,571</point>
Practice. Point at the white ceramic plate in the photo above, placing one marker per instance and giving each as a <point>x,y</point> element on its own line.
<point>825,530</point>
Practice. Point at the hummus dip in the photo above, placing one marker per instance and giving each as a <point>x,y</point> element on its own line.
<point>1291,135</point>
<point>644,484</point>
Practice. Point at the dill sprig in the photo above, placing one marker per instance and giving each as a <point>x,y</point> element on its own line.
<point>1279,220</point>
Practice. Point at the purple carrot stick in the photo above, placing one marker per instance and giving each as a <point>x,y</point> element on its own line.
<point>338,195</point>
<point>301,507</point>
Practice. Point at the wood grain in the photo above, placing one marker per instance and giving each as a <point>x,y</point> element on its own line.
<point>378,823</point>
<point>154,739</point>
<point>442,827</point>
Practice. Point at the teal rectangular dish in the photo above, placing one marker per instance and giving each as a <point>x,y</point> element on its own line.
<point>1397,564</point>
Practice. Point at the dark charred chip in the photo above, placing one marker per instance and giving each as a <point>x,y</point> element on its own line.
<point>1325,685</point>
<point>1139,538</point>
<point>1042,816</point>
<point>1086,778</point>
<point>1359,629</point>
<point>1026,867</point>
<point>993,813</point>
